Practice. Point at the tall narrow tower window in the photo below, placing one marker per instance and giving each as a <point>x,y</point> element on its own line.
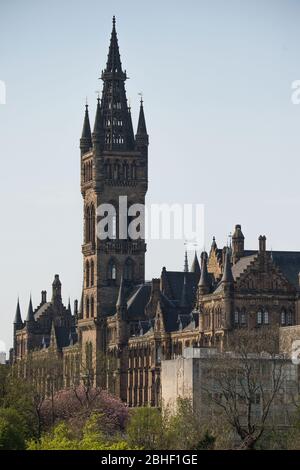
<point>87,221</point>
<point>87,308</point>
<point>92,273</point>
<point>133,171</point>
<point>92,307</point>
<point>87,273</point>
<point>112,270</point>
<point>92,224</point>
<point>128,270</point>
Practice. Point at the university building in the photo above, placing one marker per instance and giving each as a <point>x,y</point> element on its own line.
<point>131,323</point>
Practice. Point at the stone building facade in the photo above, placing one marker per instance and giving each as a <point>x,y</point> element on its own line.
<point>130,323</point>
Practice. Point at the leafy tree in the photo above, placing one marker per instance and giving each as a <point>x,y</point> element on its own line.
<point>183,428</point>
<point>146,428</point>
<point>61,438</point>
<point>11,430</point>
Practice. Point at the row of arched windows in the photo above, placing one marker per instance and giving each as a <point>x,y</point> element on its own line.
<point>116,138</point>
<point>262,317</point>
<point>87,171</point>
<point>117,171</point>
<point>128,270</point>
<point>90,224</point>
<point>89,307</point>
<point>89,273</point>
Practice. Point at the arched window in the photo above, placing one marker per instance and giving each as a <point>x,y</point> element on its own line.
<point>87,224</point>
<point>133,171</point>
<point>92,224</point>
<point>112,270</point>
<point>259,317</point>
<point>92,273</point>
<point>87,273</point>
<point>116,171</point>
<point>289,318</point>
<point>125,171</point>
<point>92,306</point>
<point>87,307</point>
<point>128,269</point>
<point>266,317</point>
<point>283,317</point>
<point>243,317</point>
<point>236,317</point>
<point>84,173</point>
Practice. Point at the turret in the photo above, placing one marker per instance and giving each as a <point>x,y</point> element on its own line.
<point>141,137</point>
<point>98,132</point>
<point>213,244</point>
<point>18,319</point>
<point>204,283</point>
<point>237,243</point>
<point>56,289</point>
<point>86,136</point>
<point>196,268</point>
<point>227,284</point>
<point>18,324</point>
<point>30,316</point>
<point>227,277</point>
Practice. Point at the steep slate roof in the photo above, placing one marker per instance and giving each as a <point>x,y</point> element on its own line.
<point>175,281</point>
<point>137,302</point>
<point>289,264</point>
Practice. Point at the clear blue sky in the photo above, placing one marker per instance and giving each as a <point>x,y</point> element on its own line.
<point>216,78</point>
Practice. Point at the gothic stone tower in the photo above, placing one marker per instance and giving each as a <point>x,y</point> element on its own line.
<point>113,163</point>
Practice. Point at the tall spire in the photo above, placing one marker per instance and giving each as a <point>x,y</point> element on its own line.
<point>227,273</point>
<point>97,131</point>
<point>18,319</point>
<point>195,266</point>
<point>141,138</point>
<point>86,136</point>
<point>204,283</point>
<point>30,315</point>
<point>113,64</point>
<point>115,114</point>
<point>184,303</point>
<point>186,263</point>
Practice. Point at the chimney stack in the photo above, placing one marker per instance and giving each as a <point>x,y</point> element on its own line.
<point>44,296</point>
<point>262,243</point>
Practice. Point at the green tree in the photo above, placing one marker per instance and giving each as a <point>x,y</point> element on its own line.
<point>146,428</point>
<point>59,439</point>
<point>11,430</point>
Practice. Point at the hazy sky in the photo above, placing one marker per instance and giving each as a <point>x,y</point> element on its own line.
<point>216,78</point>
